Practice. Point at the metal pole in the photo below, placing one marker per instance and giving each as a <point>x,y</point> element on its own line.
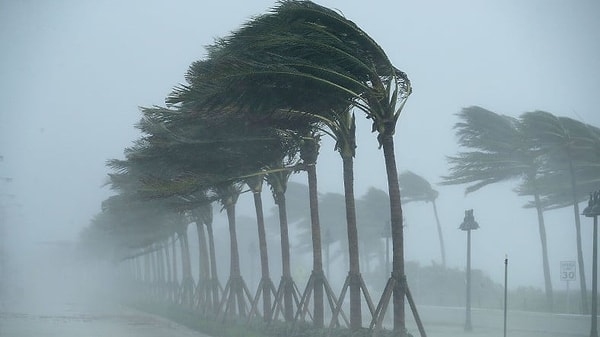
<point>468,326</point>
<point>505,291</point>
<point>594,331</point>
<point>593,210</point>
<point>568,299</point>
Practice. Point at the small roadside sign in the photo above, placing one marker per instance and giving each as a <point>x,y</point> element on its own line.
<point>568,270</point>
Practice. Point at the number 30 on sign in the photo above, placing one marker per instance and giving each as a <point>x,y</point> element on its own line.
<point>567,270</point>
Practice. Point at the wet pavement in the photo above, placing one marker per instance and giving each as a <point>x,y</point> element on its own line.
<point>78,320</point>
<point>67,297</point>
<point>100,319</point>
<point>449,322</point>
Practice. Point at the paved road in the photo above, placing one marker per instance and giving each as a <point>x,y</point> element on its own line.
<point>77,320</point>
<point>100,320</point>
<point>449,322</point>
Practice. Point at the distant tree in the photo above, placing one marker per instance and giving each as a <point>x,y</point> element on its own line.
<point>297,196</point>
<point>413,187</point>
<point>569,149</point>
<point>372,219</point>
<point>331,216</point>
<point>499,151</point>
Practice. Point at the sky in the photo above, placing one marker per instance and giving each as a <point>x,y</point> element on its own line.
<point>74,74</point>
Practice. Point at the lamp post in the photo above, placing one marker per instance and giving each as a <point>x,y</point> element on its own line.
<point>505,291</point>
<point>592,211</point>
<point>3,242</point>
<point>468,225</point>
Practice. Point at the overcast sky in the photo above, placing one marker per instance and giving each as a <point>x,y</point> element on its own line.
<point>73,74</point>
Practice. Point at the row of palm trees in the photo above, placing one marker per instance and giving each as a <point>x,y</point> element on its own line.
<point>252,112</point>
<point>554,160</point>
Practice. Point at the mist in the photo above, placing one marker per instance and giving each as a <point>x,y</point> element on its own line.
<point>74,74</point>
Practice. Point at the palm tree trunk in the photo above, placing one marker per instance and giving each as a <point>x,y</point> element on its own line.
<point>546,264</point>
<point>582,283</point>
<point>387,142</point>
<point>317,250</point>
<point>203,265</point>
<point>214,279</point>
<point>146,269</point>
<point>175,276</point>
<point>144,279</point>
<point>168,266</point>
<point>161,269</point>
<point>186,269</point>
<point>440,234</point>
<point>154,268</point>
<point>264,257</point>
<point>234,271</point>
<point>138,271</point>
<point>353,250</point>
<point>285,259</point>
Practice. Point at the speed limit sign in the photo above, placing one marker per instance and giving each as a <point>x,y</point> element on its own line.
<point>567,270</point>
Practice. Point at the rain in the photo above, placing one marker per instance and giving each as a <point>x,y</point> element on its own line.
<point>79,76</point>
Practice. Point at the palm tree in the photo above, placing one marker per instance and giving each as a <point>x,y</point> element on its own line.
<point>232,144</point>
<point>187,280</point>
<point>416,188</point>
<point>333,221</point>
<point>236,290</point>
<point>317,282</point>
<point>372,216</point>
<point>304,57</point>
<point>278,183</point>
<point>342,126</point>
<point>203,216</point>
<point>565,143</point>
<point>499,151</point>
<point>138,227</point>
<point>152,177</point>
<point>265,286</point>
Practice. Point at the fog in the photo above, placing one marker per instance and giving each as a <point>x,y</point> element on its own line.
<point>75,72</point>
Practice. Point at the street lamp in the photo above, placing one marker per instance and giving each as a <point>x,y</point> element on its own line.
<point>592,211</point>
<point>468,225</point>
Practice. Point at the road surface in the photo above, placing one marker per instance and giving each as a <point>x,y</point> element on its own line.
<point>78,320</point>
<point>449,322</point>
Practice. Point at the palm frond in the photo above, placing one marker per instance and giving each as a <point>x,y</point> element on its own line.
<point>413,187</point>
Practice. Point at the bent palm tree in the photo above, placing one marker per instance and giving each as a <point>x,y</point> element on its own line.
<point>566,143</point>
<point>416,188</point>
<point>265,287</point>
<point>372,216</point>
<point>500,151</point>
<point>336,66</point>
<point>307,58</point>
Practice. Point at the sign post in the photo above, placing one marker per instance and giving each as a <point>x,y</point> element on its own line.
<point>568,272</point>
